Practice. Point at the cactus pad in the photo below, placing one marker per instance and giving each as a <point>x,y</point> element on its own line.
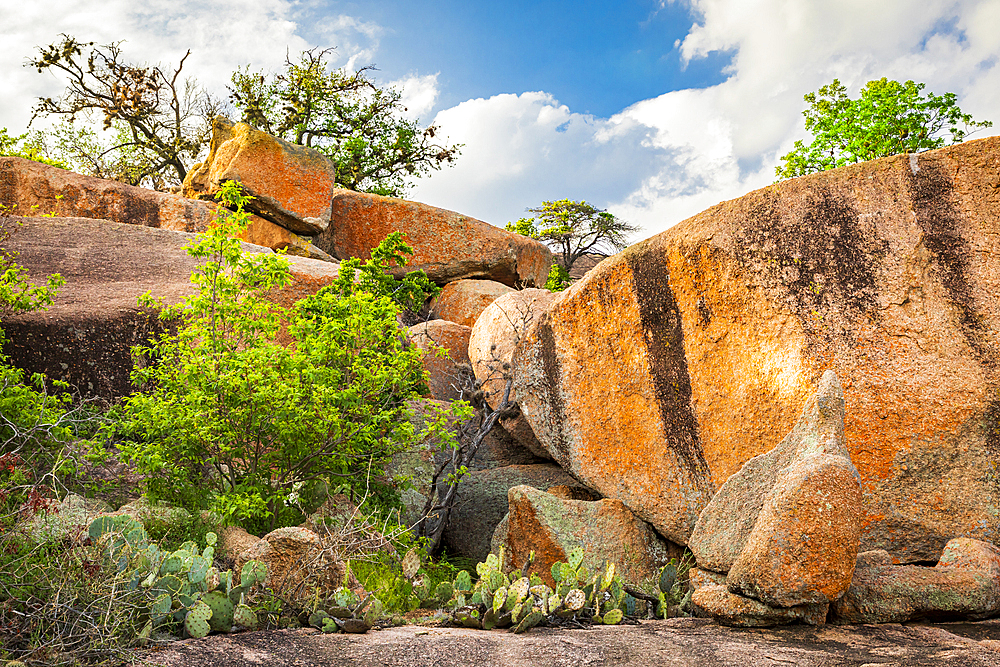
<point>222,611</point>
<point>196,620</point>
<point>211,538</point>
<point>575,600</point>
<point>254,572</point>
<point>613,617</point>
<point>171,564</point>
<point>528,622</point>
<point>668,576</point>
<point>463,582</point>
<point>199,569</point>
<point>575,558</point>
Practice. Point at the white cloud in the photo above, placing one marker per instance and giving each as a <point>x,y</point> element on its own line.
<point>664,159</point>
<point>419,94</point>
<point>222,35</point>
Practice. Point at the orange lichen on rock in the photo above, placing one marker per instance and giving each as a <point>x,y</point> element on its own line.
<point>291,185</point>
<point>447,245</point>
<point>884,271</point>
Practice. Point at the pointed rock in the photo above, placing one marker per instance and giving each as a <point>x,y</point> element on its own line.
<point>786,527</point>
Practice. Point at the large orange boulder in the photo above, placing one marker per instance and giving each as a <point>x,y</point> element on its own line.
<point>86,336</point>
<point>32,189</point>
<point>292,185</point>
<point>447,246</point>
<point>552,527</point>
<point>672,364</point>
<point>786,527</point>
<point>463,301</point>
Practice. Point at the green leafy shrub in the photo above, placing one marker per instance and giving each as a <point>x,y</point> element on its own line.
<point>232,420</point>
<point>558,279</point>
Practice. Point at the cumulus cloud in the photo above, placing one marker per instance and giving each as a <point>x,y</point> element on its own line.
<point>419,94</point>
<point>664,159</point>
<point>222,35</point>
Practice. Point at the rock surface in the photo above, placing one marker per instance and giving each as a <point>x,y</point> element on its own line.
<point>677,642</point>
<point>86,336</point>
<point>491,345</point>
<point>32,189</point>
<point>444,374</point>
<point>481,504</point>
<point>606,530</point>
<point>292,185</point>
<point>965,584</point>
<point>463,301</point>
<point>447,246</point>
<point>786,527</point>
<point>688,354</point>
<point>298,563</point>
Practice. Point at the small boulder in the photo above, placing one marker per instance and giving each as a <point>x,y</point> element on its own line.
<point>463,301</point>
<point>65,520</point>
<point>496,333</point>
<point>445,375</point>
<point>292,185</point>
<point>787,526</point>
<point>964,585</point>
<point>235,540</point>
<point>552,527</point>
<point>447,246</point>
<point>145,511</point>
<point>710,598</point>
<point>482,502</point>
<point>298,564</point>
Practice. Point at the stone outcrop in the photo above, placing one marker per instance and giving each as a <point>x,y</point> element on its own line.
<point>786,527</point>
<point>444,374</point>
<point>675,642</point>
<point>552,527</point>
<point>86,336</point>
<point>298,564</point>
<point>32,189</point>
<point>688,354</point>
<point>491,345</point>
<point>965,584</point>
<point>482,503</point>
<point>292,185</point>
<point>710,598</point>
<point>463,301</point>
<point>447,246</point>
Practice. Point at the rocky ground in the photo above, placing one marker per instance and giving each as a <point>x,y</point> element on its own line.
<point>679,641</point>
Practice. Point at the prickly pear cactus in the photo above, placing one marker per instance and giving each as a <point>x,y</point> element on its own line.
<point>222,610</point>
<point>196,620</point>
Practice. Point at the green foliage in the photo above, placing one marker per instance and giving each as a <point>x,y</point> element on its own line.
<point>28,150</point>
<point>38,419</point>
<point>373,277</point>
<point>888,118</point>
<point>558,279</point>
<point>519,602</point>
<point>234,420</point>
<point>358,125</point>
<point>574,228</point>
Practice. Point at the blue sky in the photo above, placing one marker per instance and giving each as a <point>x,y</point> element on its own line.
<point>653,109</point>
<point>595,57</point>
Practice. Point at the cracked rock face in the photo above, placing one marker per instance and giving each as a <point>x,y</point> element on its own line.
<point>674,363</point>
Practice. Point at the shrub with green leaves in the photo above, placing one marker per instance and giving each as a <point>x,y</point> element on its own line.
<point>233,420</point>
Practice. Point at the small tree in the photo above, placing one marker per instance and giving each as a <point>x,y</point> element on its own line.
<point>165,119</point>
<point>234,420</point>
<point>357,124</point>
<point>888,118</point>
<point>575,228</point>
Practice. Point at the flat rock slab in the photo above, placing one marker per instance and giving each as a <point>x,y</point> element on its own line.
<point>682,642</point>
